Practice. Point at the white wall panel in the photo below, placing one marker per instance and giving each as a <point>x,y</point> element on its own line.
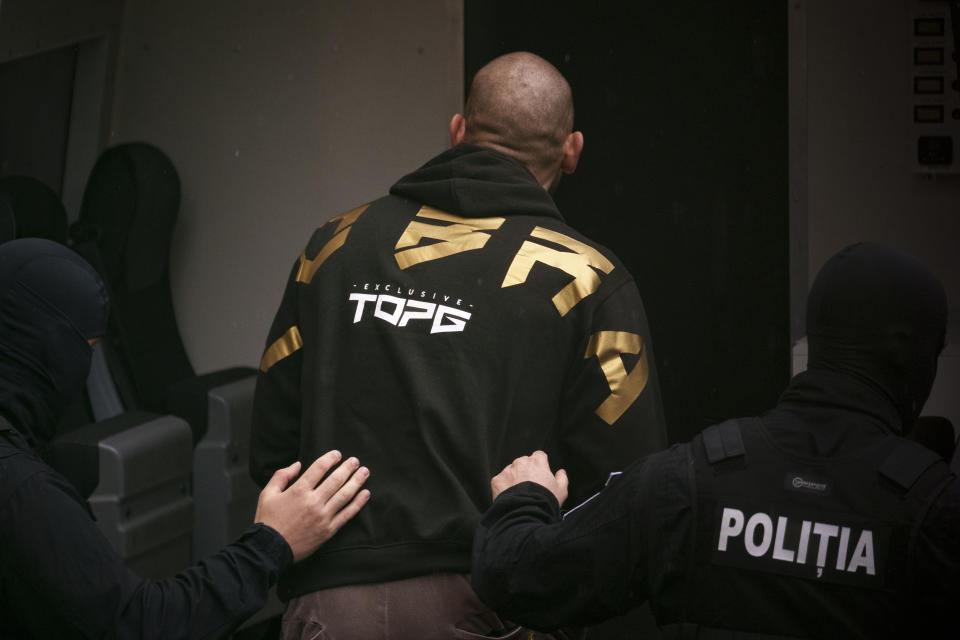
<point>277,116</point>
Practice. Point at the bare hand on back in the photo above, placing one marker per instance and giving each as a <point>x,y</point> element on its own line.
<point>532,468</point>
<point>309,512</point>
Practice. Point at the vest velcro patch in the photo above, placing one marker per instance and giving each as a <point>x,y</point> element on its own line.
<point>722,442</point>
<point>836,548</point>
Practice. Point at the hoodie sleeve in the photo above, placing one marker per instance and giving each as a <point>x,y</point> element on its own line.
<point>612,412</point>
<point>937,559</point>
<point>275,428</point>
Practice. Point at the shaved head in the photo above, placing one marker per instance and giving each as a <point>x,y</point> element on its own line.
<point>521,105</point>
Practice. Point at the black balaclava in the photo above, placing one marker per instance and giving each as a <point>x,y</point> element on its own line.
<point>51,303</point>
<point>881,316</point>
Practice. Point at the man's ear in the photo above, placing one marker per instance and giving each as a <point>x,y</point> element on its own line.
<point>572,148</point>
<point>458,129</point>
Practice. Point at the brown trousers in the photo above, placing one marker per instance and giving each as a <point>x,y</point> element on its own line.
<point>433,607</point>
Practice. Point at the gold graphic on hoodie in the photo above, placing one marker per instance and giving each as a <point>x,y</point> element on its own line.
<point>285,345</point>
<point>309,267</point>
<point>465,234</point>
<point>625,387</point>
<point>579,262</point>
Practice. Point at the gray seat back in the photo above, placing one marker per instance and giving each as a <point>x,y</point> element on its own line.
<point>225,497</point>
<point>142,501</point>
<point>224,494</point>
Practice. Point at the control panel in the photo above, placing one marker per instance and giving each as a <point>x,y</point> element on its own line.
<point>935,85</point>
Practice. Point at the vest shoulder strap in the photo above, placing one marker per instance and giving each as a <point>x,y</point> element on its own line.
<point>723,441</point>
<point>906,463</point>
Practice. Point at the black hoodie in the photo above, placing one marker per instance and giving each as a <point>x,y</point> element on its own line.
<point>437,334</point>
<point>59,577</point>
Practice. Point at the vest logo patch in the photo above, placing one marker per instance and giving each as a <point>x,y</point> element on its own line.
<point>809,548</point>
<point>806,483</point>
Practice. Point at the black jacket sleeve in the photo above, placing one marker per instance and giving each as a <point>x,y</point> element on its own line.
<point>937,560</point>
<point>59,577</point>
<point>612,412</point>
<point>605,557</point>
<point>275,422</point>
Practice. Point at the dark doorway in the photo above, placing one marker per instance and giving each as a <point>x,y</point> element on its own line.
<point>683,105</point>
<point>684,176</point>
<point>35,115</point>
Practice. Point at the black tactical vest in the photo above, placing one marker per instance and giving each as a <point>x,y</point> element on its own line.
<point>787,545</point>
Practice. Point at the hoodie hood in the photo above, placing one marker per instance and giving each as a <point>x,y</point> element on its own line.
<point>477,182</point>
<point>52,303</point>
<point>880,316</point>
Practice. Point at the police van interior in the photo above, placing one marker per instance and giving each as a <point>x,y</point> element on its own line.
<point>189,149</point>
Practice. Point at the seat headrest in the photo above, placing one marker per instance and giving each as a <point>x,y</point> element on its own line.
<point>32,208</point>
<point>130,206</point>
<point>8,222</point>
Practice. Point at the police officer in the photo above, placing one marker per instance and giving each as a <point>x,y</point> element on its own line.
<point>59,576</point>
<point>817,519</point>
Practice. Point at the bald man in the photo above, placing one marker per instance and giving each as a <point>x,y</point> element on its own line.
<point>439,332</point>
